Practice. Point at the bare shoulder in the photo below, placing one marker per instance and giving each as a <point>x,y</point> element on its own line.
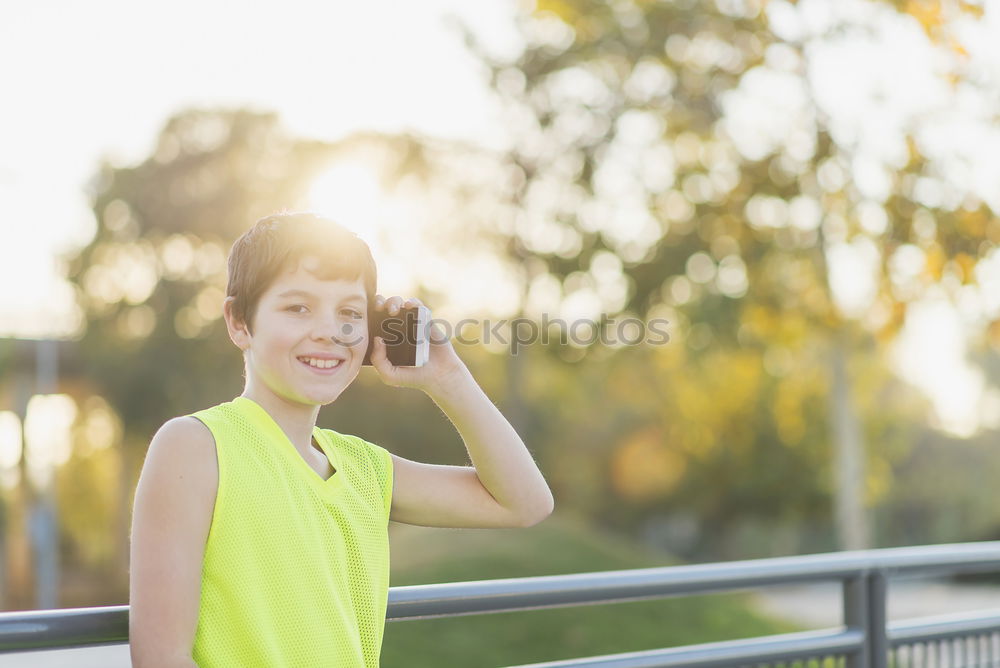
<point>186,427</point>
<point>185,437</point>
<point>183,450</point>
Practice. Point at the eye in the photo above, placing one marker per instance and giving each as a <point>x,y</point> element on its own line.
<point>354,314</point>
<point>294,308</point>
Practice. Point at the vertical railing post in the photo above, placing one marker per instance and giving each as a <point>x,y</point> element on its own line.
<point>856,616</point>
<point>865,599</point>
<point>878,621</point>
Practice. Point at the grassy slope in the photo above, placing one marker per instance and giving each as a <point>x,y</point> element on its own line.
<point>559,545</point>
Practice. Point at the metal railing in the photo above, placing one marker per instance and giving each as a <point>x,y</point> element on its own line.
<point>865,639</point>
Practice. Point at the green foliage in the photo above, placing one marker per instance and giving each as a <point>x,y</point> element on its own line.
<point>643,438</point>
<point>624,143</point>
<point>942,492</point>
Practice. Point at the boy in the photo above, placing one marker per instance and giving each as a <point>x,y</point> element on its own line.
<point>260,539</point>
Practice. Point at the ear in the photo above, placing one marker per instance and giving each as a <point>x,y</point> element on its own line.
<point>239,334</point>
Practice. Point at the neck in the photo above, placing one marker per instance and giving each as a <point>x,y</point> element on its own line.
<point>295,419</point>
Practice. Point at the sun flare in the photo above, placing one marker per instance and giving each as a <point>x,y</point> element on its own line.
<point>351,195</point>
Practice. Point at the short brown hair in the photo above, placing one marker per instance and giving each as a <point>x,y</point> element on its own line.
<point>278,242</point>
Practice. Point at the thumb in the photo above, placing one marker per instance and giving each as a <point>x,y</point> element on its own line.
<point>379,358</point>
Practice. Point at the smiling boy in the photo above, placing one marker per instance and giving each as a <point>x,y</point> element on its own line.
<point>259,538</point>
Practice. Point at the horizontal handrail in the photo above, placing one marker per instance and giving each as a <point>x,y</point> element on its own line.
<point>788,646</point>
<point>754,650</point>
<point>944,627</point>
<point>76,627</point>
<point>67,627</point>
<point>528,593</point>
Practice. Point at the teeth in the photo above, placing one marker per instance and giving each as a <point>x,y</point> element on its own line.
<point>320,364</point>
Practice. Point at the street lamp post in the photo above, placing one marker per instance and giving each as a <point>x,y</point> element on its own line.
<point>43,521</point>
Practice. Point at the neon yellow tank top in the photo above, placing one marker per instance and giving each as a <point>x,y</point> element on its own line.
<point>296,568</point>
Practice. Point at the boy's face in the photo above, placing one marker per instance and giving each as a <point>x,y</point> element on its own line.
<point>302,326</point>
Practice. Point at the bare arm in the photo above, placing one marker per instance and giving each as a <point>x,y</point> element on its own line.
<point>503,463</point>
<point>504,488</point>
<point>171,517</point>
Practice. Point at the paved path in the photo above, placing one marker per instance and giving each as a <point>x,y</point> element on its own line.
<point>819,605</point>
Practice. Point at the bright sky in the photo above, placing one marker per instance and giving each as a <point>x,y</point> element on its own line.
<point>85,80</point>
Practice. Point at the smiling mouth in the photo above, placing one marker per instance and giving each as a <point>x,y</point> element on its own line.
<point>321,365</point>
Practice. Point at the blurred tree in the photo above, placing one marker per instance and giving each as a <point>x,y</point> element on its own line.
<point>672,159</point>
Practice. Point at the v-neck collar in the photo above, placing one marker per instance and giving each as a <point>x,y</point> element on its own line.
<point>264,420</point>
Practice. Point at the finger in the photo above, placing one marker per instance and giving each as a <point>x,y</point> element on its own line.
<point>393,304</point>
<point>379,301</point>
<point>438,335</point>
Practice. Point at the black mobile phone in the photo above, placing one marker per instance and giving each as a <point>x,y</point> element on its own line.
<point>406,335</point>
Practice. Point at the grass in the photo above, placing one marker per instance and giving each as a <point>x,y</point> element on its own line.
<point>559,545</point>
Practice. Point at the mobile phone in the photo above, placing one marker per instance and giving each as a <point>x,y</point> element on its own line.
<point>406,335</point>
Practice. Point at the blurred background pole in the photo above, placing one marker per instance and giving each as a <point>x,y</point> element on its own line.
<point>42,523</point>
<point>851,515</point>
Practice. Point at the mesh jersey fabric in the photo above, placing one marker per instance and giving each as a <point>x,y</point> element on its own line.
<point>296,568</point>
